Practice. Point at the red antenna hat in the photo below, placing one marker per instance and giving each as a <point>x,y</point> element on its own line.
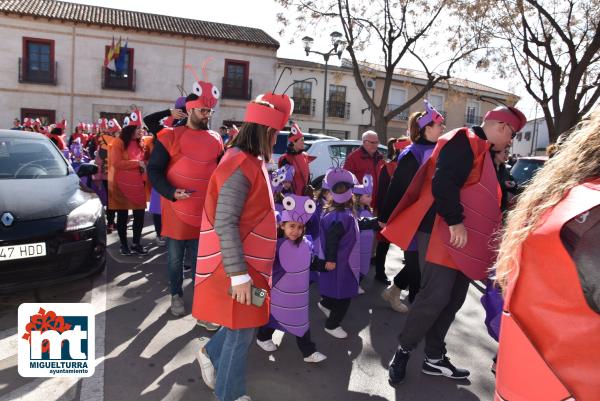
<point>208,94</point>
<point>275,117</point>
<point>135,118</point>
<point>113,126</point>
<point>102,124</point>
<point>296,133</point>
<point>507,114</point>
<point>27,122</point>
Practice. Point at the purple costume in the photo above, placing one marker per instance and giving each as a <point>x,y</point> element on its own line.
<point>291,271</point>
<point>366,236</point>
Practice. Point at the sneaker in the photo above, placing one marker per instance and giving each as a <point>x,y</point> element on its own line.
<point>338,332</point>
<point>267,345</point>
<point>161,241</point>
<point>177,307</point>
<point>398,305</point>
<point>391,292</point>
<point>325,311</point>
<point>139,249</point>
<point>360,290</point>
<point>397,368</point>
<point>444,367</point>
<point>315,357</point>
<point>208,325</point>
<point>206,367</point>
<point>124,250</point>
<point>244,398</point>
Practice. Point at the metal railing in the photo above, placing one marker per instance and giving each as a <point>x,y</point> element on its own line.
<point>236,93</point>
<point>38,77</point>
<point>402,116</point>
<point>338,109</point>
<point>124,83</point>
<point>304,105</point>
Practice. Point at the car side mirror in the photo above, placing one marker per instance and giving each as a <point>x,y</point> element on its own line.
<point>87,169</point>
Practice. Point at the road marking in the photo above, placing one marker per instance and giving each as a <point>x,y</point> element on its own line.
<point>8,343</point>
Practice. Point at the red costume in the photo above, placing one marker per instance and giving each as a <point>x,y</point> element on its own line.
<point>550,337</point>
<point>300,162</point>
<point>257,227</point>
<point>480,197</point>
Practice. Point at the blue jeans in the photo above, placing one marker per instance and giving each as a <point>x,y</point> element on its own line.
<point>176,251</point>
<point>228,350</point>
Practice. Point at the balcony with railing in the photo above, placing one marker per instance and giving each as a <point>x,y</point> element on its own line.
<point>117,81</point>
<point>472,119</point>
<point>338,109</point>
<point>402,116</point>
<point>236,89</point>
<point>304,105</point>
<point>37,76</point>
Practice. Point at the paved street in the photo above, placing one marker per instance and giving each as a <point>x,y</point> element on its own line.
<point>144,353</point>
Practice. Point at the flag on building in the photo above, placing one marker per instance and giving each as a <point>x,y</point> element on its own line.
<point>110,53</point>
<point>113,55</point>
<point>121,62</point>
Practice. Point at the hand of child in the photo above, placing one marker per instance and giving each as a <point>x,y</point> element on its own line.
<point>330,266</point>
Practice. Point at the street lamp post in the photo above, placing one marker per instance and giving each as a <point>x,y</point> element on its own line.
<point>338,48</point>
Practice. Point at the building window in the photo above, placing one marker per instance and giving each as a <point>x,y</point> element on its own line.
<point>473,116</point>
<point>527,135</point>
<point>337,106</point>
<point>519,136</point>
<point>303,102</point>
<point>397,98</point>
<point>236,84</point>
<point>437,101</point>
<point>47,117</point>
<point>123,77</point>
<point>37,64</point>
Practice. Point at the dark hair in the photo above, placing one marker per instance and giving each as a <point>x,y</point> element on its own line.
<point>333,205</point>
<point>127,135</point>
<point>56,131</point>
<point>321,194</point>
<point>357,204</point>
<point>391,151</point>
<point>415,131</point>
<point>281,233</point>
<point>255,139</point>
<point>191,97</point>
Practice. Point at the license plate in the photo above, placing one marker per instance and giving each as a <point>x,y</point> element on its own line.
<point>23,251</point>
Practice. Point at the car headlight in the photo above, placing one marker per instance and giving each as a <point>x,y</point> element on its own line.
<point>85,215</point>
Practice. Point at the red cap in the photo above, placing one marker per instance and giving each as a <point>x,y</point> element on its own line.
<point>102,123</point>
<point>507,114</point>
<point>113,126</point>
<point>135,118</point>
<point>401,144</point>
<point>62,124</point>
<point>296,133</point>
<point>264,115</point>
<point>283,103</point>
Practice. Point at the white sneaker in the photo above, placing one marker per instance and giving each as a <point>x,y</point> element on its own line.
<point>325,311</point>
<point>315,357</point>
<point>177,306</point>
<point>360,290</point>
<point>338,332</point>
<point>206,367</point>
<point>267,345</point>
<point>244,398</point>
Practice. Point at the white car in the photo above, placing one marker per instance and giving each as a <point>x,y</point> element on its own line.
<point>331,153</point>
<point>281,146</point>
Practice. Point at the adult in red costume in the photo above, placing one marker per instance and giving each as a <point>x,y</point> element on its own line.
<point>366,160</point>
<point>297,157</point>
<point>127,182</point>
<point>453,206</point>
<point>181,164</point>
<point>549,267</point>
<point>237,247</point>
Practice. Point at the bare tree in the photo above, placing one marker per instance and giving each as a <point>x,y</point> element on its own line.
<point>554,46</point>
<point>422,29</point>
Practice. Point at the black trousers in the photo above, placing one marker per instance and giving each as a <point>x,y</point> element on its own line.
<point>380,256</point>
<point>338,308</point>
<point>410,276</point>
<point>110,214</point>
<point>157,220</point>
<point>138,224</point>
<point>305,344</point>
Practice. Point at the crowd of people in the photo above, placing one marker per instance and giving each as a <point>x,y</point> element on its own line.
<point>258,240</point>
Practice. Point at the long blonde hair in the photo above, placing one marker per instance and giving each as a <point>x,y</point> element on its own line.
<point>577,160</point>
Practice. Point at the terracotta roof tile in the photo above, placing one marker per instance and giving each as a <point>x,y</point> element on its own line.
<point>87,14</point>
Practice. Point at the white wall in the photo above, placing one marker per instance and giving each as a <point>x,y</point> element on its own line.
<point>527,147</point>
<point>158,60</point>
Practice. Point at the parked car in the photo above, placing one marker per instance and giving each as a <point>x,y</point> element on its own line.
<point>331,153</point>
<point>525,168</point>
<point>282,141</point>
<point>52,227</point>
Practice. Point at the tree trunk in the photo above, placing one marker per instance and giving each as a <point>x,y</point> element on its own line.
<point>380,126</point>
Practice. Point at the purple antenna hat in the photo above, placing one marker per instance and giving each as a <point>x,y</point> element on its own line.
<point>337,175</point>
<point>431,115</point>
<point>297,208</point>
<point>281,175</point>
<point>366,188</point>
<point>180,102</point>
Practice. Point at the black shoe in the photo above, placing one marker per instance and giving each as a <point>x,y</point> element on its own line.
<point>139,249</point>
<point>124,250</point>
<point>383,279</point>
<point>397,368</point>
<point>444,368</point>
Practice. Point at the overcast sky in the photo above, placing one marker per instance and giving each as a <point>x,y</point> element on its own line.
<point>263,14</point>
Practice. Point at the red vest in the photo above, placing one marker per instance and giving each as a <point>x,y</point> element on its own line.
<point>194,155</point>
<point>259,240</point>
<point>480,197</point>
<point>301,170</point>
<point>550,337</point>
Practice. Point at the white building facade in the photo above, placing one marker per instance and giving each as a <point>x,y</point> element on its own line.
<point>532,140</point>
<point>53,64</point>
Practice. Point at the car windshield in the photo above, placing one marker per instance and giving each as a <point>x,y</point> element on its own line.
<point>27,158</point>
<point>524,169</point>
